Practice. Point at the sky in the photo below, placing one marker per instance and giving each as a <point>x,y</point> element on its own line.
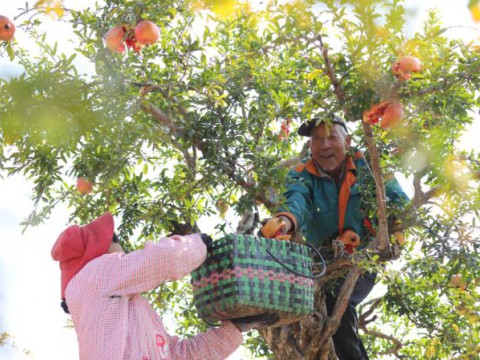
<point>30,280</point>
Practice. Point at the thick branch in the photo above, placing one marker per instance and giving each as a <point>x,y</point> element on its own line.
<point>397,345</point>
<point>341,305</point>
<point>167,122</point>
<point>382,242</point>
<point>335,269</point>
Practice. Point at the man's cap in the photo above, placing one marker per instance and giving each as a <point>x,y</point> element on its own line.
<point>306,128</point>
<point>78,245</point>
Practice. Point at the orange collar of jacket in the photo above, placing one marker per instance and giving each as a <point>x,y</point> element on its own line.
<point>345,188</point>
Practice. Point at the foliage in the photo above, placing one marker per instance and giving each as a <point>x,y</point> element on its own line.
<point>166,133</point>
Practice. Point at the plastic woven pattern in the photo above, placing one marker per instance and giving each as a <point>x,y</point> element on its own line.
<point>239,278</point>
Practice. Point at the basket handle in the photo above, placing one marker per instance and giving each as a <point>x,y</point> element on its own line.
<point>297,272</point>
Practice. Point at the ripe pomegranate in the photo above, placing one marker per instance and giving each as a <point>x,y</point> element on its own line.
<point>284,130</point>
<point>146,32</point>
<point>404,66</point>
<point>350,239</point>
<point>373,115</point>
<point>7,28</point>
<point>392,115</point>
<point>131,41</point>
<point>115,39</point>
<point>273,229</point>
<point>84,186</point>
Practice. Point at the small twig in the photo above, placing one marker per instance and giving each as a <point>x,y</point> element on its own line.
<point>337,89</point>
<point>373,305</point>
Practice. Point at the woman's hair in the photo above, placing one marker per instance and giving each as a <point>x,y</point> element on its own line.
<point>63,304</point>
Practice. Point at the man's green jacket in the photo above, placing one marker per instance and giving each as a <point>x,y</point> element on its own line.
<point>324,209</point>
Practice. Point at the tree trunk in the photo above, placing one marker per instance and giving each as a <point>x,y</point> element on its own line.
<point>310,339</point>
<point>300,340</point>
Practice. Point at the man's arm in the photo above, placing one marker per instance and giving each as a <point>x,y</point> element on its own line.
<point>298,201</point>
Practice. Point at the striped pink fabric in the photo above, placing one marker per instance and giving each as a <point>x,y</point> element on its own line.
<point>114,322</point>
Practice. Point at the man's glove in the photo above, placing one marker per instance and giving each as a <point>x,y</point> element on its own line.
<point>255,322</point>
<point>207,240</point>
<point>275,228</point>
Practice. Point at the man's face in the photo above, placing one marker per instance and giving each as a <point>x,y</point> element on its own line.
<point>329,145</point>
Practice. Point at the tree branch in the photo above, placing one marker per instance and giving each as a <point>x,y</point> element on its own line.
<point>373,305</point>
<point>362,324</point>
<point>381,242</point>
<point>343,297</point>
<point>162,118</point>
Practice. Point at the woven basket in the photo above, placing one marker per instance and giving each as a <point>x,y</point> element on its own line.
<point>239,278</point>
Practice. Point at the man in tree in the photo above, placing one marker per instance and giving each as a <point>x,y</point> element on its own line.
<point>101,287</point>
<point>323,200</point>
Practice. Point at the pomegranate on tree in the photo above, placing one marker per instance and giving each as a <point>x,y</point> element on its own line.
<point>222,207</point>
<point>404,66</point>
<point>392,115</point>
<point>131,41</point>
<point>373,115</point>
<point>284,130</point>
<point>115,39</point>
<point>7,28</point>
<point>399,238</point>
<point>350,240</point>
<point>84,186</point>
<point>147,32</point>
<point>389,114</point>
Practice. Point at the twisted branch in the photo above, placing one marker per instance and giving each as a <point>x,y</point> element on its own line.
<point>343,297</point>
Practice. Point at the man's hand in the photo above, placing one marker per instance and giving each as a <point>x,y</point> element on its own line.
<point>277,228</point>
<point>255,322</point>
